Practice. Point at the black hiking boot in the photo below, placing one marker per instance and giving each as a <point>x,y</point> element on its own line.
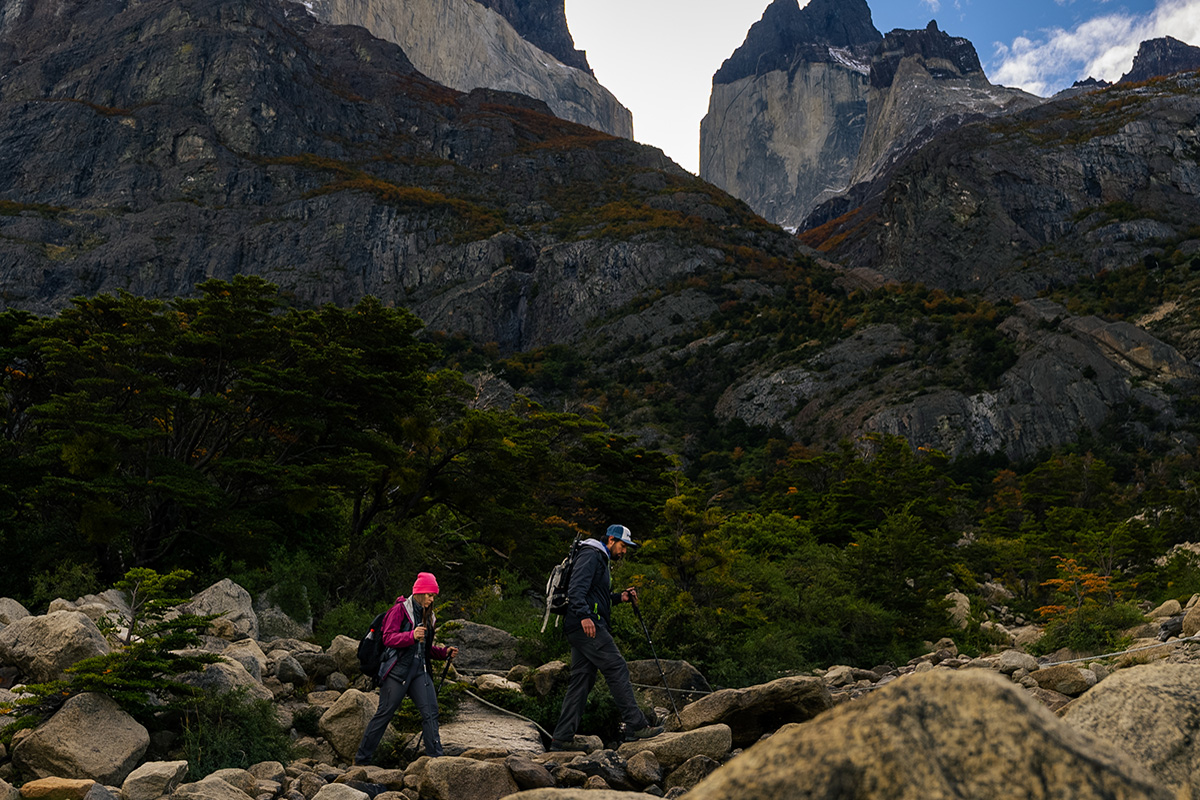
<point>648,732</point>
<point>571,746</point>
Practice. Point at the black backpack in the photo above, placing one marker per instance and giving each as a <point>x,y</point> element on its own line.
<point>557,584</point>
<point>370,649</point>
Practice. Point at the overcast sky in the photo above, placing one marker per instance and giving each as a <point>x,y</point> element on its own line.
<point>658,56</point>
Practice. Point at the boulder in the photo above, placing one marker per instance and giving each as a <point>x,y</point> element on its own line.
<point>480,647</point>
<point>247,653</point>
<point>1170,608</point>
<point>317,666</point>
<point>548,677</point>
<point>756,710</point>
<point>691,772</point>
<point>527,773</point>
<point>344,651</point>
<point>1065,679</point>
<point>1191,620</point>
<point>238,779</point>
<point>8,791</point>
<point>944,733</point>
<point>223,677</point>
<point>1151,712</point>
<point>271,771</point>
<point>494,683</point>
<point>209,789</point>
<point>1013,660</point>
<point>43,647</point>
<point>343,724</point>
<point>154,779</point>
<point>686,682</point>
<point>289,670</point>
<point>275,623</point>
<point>57,789</point>
<point>89,737</point>
<point>643,768</point>
<point>606,765</point>
<point>11,611</point>
<point>577,794</point>
<point>237,619</point>
<point>672,749</point>
<point>452,778</point>
<point>340,791</point>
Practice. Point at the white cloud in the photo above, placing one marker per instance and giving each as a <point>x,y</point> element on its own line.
<point>934,5</point>
<point>1102,47</point>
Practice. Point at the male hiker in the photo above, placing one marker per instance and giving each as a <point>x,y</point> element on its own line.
<point>408,635</point>
<point>592,647</point>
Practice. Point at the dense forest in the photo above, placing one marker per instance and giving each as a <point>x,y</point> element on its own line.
<point>326,455</point>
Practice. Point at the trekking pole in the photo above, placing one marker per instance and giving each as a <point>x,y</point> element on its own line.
<point>638,612</point>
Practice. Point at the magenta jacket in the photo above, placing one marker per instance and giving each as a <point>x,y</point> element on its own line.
<point>397,635</point>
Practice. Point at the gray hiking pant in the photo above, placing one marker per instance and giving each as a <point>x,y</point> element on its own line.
<point>392,692</point>
<point>587,656</point>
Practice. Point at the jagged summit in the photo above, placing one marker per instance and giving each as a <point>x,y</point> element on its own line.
<point>1164,56</point>
<point>943,56</point>
<point>787,35</point>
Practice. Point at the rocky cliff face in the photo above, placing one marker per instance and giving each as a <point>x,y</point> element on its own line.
<point>923,82</point>
<point>1021,202</point>
<point>788,108</point>
<point>148,146</point>
<point>1070,373</point>
<point>544,24</point>
<point>1165,56</point>
<point>467,45</point>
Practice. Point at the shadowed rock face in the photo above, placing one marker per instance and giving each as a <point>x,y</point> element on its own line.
<point>788,108</point>
<point>924,82</point>
<point>941,734</point>
<point>1011,205</point>
<point>1165,56</point>
<point>149,146</point>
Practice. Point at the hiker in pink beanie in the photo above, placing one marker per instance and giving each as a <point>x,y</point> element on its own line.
<point>408,631</point>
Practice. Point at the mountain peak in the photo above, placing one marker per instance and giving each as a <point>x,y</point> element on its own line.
<point>1163,56</point>
<point>788,34</point>
<point>944,56</point>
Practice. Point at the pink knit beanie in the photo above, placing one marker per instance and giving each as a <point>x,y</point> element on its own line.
<point>426,584</point>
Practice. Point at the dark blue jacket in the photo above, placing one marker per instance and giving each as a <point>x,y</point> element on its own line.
<point>590,592</point>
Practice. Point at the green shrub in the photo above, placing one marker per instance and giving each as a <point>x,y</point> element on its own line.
<point>1093,629</point>
<point>306,720</point>
<point>348,619</point>
<point>231,730</point>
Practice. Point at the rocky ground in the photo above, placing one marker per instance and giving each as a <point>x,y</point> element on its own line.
<point>945,724</point>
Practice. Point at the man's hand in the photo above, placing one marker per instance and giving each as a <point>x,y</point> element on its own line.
<point>419,633</point>
<point>589,627</point>
<point>629,596</point>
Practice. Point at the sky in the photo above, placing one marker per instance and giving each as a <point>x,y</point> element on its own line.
<point>658,56</point>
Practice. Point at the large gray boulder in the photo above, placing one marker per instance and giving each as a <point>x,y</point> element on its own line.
<point>232,603</point>
<point>672,749</point>
<point>756,710</point>
<point>8,791</point>
<point>89,737</point>
<point>343,724</point>
<point>453,778</point>
<point>43,647</point>
<point>951,734</point>
<point>248,653</point>
<point>154,779</point>
<point>11,611</point>
<point>209,789</point>
<point>1151,712</point>
<point>344,651</point>
<point>226,676</point>
<point>481,647</point>
<point>475,726</point>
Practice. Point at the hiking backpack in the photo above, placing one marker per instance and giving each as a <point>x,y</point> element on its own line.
<point>370,649</point>
<point>557,584</point>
